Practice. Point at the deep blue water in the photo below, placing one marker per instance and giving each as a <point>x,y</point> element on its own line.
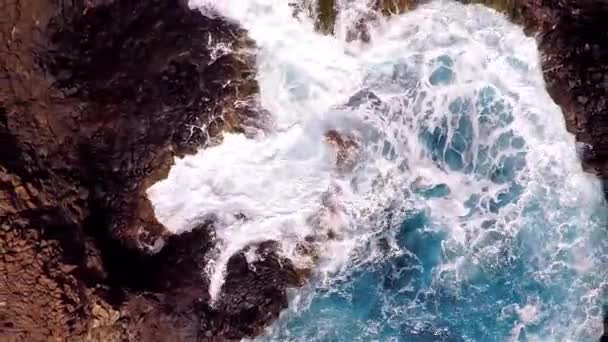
<point>396,299</point>
<point>425,287</point>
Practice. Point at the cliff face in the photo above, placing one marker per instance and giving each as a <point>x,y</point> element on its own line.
<point>573,39</point>
<point>96,99</point>
<point>98,96</point>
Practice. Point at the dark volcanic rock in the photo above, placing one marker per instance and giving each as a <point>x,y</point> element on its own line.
<point>178,306</point>
<point>255,291</point>
<point>574,43</point>
<point>96,99</point>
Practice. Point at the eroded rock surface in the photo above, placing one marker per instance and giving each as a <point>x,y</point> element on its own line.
<point>96,99</point>
<point>574,42</point>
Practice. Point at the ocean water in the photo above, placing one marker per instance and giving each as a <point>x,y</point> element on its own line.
<point>464,214</point>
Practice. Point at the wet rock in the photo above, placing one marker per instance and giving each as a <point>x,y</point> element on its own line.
<point>325,13</point>
<point>392,7</point>
<point>250,294</point>
<point>326,16</point>
<point>574,64</point>
<point>347,150</point>
<point>96,99</point>
<point>364,97</point>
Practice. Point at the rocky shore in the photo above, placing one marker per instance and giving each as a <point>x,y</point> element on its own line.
<point>96,99</point>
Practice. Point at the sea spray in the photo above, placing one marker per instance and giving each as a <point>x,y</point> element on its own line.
<point>466,215</point>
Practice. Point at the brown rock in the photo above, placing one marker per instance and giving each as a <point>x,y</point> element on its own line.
<point>98,98</point>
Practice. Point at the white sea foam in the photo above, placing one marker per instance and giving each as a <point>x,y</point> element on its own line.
<point>418,64</point>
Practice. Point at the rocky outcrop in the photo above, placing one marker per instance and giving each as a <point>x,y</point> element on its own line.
<point>573,38</point>
<point>96,99</point>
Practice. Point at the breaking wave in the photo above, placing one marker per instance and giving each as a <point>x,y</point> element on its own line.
<point>427,177</point>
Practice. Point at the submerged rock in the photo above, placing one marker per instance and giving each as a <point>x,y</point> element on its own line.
<point>325,13</point>
<point>347,150</point>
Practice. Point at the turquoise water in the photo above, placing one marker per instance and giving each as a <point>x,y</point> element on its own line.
<point>407,294</point>
<point>517,274</point>
<point>466,215</point>
<point>396,297</point>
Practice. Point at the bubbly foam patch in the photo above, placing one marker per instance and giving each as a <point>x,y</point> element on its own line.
<point>465,215</point>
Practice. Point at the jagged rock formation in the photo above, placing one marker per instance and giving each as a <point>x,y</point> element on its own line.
<point>96,99</point>
<point>573,39</point>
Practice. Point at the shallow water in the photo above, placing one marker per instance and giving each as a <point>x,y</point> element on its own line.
<point>466,217</point>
